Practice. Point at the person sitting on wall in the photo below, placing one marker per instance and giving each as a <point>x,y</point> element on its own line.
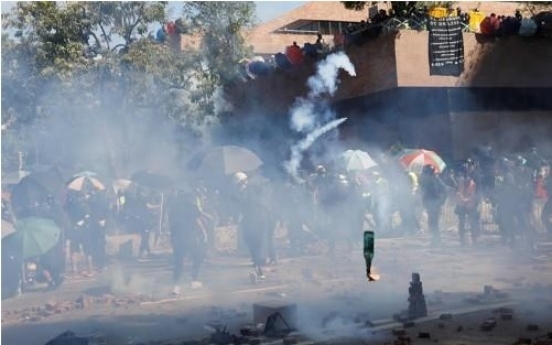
<point>509,26</point>
<point>294,54</point>
<point>282,61</point>
<point>464,17</point>
<point>319,45</point>
<point>338,40</point>
<point>380,17</point>
<point>490,25</point>
<point>160,35</point>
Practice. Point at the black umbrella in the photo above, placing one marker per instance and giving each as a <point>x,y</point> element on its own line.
<point>37,187</point>
<point>150,179</point>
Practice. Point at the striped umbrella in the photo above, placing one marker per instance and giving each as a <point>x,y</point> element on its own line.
<point>415,159</point>
<point>81,180</point>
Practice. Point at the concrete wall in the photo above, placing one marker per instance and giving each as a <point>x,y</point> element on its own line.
<point>507,62</point>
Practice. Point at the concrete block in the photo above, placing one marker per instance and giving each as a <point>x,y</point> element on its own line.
<point>262,310</point>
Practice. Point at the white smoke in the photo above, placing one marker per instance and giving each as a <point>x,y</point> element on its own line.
<point>308,114</point>
<point>325,80</point>
<point>297,150</point>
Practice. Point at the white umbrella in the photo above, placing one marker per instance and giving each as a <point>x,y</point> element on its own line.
<point>357,160</point>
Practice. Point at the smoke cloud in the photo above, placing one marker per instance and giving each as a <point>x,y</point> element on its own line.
<point>308,115</point>
<point>325,80</point>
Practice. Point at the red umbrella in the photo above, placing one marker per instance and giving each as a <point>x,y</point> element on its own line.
<point>415,159</point>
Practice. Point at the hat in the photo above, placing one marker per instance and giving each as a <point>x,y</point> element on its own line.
<point>239,177</point>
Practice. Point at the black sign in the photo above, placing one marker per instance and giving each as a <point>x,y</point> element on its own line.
<point>446,46</point>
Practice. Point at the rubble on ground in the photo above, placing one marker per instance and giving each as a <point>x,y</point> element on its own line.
<point>84,301</point>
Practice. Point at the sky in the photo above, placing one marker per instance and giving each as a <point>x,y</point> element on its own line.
<point>266,10</point>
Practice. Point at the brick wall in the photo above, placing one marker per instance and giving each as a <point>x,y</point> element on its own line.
<point>507,62</point>
<point>401,60</point>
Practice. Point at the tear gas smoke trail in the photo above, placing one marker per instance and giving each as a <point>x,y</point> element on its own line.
<point>298,149</point>
<point>305,118</point>
<point>325,79</point>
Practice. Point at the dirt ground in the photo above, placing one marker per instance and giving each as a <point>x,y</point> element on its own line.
<point>130,303</point>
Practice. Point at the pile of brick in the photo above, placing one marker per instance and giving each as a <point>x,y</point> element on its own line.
<point>53,307</point>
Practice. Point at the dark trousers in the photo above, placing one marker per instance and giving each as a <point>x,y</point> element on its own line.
<point>254,242</point>
<point>144,242</point>
<point>472,216</point>
<point>433,213</point>
<point>506,219</point>
<point>191,247</point>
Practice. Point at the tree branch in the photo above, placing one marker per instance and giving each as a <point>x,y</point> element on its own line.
<point>104,34</point>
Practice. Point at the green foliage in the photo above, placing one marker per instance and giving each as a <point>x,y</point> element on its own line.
<point>99,58</point>
<point>219,24</point>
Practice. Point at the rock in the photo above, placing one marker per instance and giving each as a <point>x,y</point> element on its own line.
<point>532,327</point>
<point>488,325</point>
<point>50,305</point>
<point>459,329</point>
<point>83,302</point>
<point>441,325</point>
<point>424,335</point>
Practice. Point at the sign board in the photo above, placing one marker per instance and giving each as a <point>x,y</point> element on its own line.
<point>446,46</point>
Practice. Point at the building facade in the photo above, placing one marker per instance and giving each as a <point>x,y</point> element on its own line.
<point>503,97</point>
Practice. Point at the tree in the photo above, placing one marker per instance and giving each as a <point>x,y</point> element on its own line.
<point>219,24</point>
<point>77,54</point>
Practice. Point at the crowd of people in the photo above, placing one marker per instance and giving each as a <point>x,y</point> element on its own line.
<point>330,206</point>
<point>491,26</point>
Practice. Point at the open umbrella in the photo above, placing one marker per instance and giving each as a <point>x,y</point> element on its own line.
<point>7,228</point>
<point>14,177</point>
<point>415,159</point>
<point>84,180</point>
<point>36,187</point>
<point>150,179</point>
<point>228,160</point>
<point>357,160</point>
<point>33,237</point>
